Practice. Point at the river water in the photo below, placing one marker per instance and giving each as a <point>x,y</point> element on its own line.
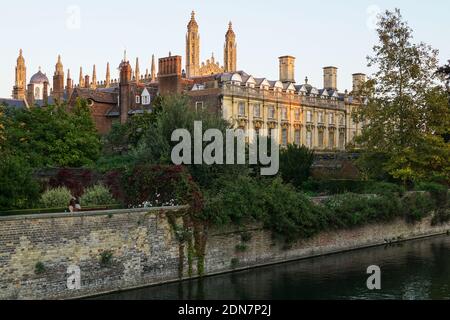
<point>418,269</point>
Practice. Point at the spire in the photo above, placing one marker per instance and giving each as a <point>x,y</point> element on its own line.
<point>230,50</point>
<point>20,79</point>
<point>192,48</point>
<point>108,76</point>
<point>81,80</point>
<point>137,72</point>
<point>125,55</point>
<point>68,74</point>
<point>59,68</point>
<point>192,23</point>
<point>94,78</point>
<point>153,71</point>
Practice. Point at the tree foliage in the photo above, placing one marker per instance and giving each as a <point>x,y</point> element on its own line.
<point>295,164</point>
<point>406,114</point>
<point>18,189</point>
<point>52,136</point>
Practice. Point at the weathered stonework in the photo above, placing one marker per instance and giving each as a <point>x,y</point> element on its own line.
<point>145,250</point>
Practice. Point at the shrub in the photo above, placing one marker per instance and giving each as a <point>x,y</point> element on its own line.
<point>97,195</point>
<point>161,185</point>
<point>56,198</point>
<point>384,188</point>
<point>39,268</point>
<point>438,192</point>
<point>417,206</point>
<point>290,214</point>
<point>335,186</point>
<point>106,258</point>
<point>352,210</point>
<point>73,179</point>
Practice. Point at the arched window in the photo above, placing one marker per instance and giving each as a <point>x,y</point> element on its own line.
<point>37,93</point>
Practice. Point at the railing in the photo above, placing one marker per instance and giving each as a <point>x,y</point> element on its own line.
<point>260,94</point>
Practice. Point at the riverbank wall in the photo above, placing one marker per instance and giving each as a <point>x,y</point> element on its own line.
<point>66,256</point>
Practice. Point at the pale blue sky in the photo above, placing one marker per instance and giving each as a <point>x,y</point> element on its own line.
<point>318,33</point>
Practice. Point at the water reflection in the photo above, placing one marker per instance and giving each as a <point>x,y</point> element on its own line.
<point>413,270</point>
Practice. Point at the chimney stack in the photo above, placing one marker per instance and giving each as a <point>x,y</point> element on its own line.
<point>287,69</point>
<point>330,78</point>
<point>358,80</point>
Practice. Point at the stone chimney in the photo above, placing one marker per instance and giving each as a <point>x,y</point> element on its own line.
<point>170,75</point>
<point>45,94</point>
<point>330,78</point>
<point>287,69</point>
<point>358,80</point>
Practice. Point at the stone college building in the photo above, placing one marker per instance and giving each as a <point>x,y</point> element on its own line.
<point>319,118</point>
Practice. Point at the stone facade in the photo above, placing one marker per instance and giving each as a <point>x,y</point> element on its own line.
<point>39,254</point>
<point>291,112</point>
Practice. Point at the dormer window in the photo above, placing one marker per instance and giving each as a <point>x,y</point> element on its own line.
<point>145,100</point>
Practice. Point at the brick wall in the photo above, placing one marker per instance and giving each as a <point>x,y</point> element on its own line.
<point>145,250</point>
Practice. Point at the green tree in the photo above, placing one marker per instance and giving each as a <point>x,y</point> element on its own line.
<point>406,114</point>
<point>295,164</point>
<point>52,136</point>
<point>156,145</point>
<point>124,137</point>
<point>18,189</point>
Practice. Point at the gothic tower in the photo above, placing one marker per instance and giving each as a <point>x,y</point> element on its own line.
<point>108,77</point>
<point>69,85</point>
<point>125,89</point>
<point>137,72</point>
<point>19,89</point>
<point>58,81</point>
<point>230,51</point>
<point>81,80</point>
<point>192,48</point>
<point>94,78</point>
<point>153,71</point>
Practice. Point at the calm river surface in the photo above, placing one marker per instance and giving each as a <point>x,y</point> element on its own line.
<point>417,269</point>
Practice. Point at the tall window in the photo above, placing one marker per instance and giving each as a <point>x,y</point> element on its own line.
<point>284,115</point>
<point>331,118</point>
<point>199,106</point>
<point>138,99</point>
<point>341,120</point>
<point>309,140</point>
<point>271,112</point>
<point>257,110</point>
<point>37,93</point>
<point>284,137</point>
<point>241,109</point>
<point>297,137</point>
<point>320,117</point>
<point>297,114</point>
<point>341,140</point>
<point>331,140</point>
<point>309,117</point>
<point>320,142</point>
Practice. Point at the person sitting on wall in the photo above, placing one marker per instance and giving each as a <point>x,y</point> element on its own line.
<point>72,205</point>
